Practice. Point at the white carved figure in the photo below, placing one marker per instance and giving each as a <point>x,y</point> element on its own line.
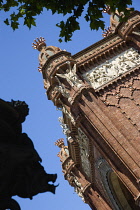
<point>64,127</point>
<point>78,184</point>
<point>113,68</point>
<point>71,76</point>
<point>62,89</point>
<point>69,115</point>
<point>78,188</point>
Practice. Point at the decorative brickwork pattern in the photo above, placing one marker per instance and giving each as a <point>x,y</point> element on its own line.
<point>126,97</point>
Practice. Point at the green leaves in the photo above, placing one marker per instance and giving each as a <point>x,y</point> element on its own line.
<point>95,24</point>
<point>27,10</point>
<point>6,21</point>
<point>14,25</point>
<point>29,21</point>
<point>67,28</point>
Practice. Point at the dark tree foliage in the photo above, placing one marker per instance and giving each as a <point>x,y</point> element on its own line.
<point>29,9</point>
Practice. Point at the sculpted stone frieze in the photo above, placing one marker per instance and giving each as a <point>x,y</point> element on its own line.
<point>112,68</point>
<point>84,152</point>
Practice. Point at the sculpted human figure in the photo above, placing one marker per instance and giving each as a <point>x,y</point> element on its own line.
<point>21,172</point>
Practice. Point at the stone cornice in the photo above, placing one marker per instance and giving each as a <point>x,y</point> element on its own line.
<point>94,46</point>
<point>98,53</point>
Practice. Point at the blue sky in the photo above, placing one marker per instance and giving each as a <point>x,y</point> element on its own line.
<point>20,80</point>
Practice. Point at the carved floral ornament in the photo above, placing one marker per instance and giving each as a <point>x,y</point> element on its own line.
<point>113,68</point>
<point>64,157</point>
<point>83,142</point>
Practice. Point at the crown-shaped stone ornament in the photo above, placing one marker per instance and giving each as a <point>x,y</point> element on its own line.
<point>39,43</point>
<point>107,32</point>
<point>60,143</point>
<point>64,153</point>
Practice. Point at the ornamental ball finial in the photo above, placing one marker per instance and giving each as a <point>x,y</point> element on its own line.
<point>39,43</point>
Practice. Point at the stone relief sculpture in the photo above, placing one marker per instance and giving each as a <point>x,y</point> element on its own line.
<point>113,68</point>
<point>73,181</point>
<point>21,172</point>
<point>84,151</point>
<point>60,88</point>
<point>78,188</point>
<point>64,126</point>
<point>71,76</point>
<point>64,110</point>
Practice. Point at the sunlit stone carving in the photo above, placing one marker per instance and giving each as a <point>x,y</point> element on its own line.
<point>113,68</point>
<point>71,75</point>
<point>84,152</point>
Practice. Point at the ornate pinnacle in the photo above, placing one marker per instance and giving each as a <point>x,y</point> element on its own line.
<point>107,32</point>
<point>60,143</point>
<point>39,43</point>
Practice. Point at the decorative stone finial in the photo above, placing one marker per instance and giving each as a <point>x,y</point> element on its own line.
<point>107,32</point>
<point>39,43</point>
<point>60,143</point>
